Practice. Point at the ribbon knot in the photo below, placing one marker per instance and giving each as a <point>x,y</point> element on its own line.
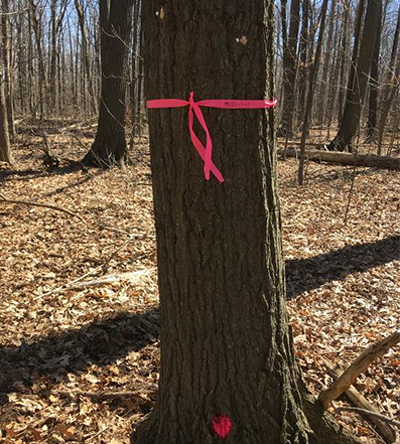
<point>205,152</point>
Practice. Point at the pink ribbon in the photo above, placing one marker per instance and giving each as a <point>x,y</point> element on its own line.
<point>205,152</point>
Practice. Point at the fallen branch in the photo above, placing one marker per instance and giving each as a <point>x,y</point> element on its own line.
<point>385,430</point>
<point>70,284</point>
<point>111,279</point>
<point>367,160</point>
<point>375,351</point>
<point>368,413</point>
<point>35,204</point>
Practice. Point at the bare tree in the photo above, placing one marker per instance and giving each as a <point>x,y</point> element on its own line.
<point>6,55</point>
<point>289,70</point>
<point>374,83</point>
<point>359,77</point>
<point>5,149</point>
<point>310,96</point>
<point>109,147</point>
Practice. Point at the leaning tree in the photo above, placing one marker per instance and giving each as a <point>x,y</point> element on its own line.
<point>228,366</point>
<point>109,147</point>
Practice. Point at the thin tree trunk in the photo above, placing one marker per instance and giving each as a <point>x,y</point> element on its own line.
<point>289,70</point>
<point>42,72</point>
<point>323,95</point>
<point>313,76</point>
<point>85,55</point>
<point>342,74</point>
<point>303,59</point>
<point>53,60</point>
<point>390,87</point>
<point>333,79</point>
<point>387,106</point>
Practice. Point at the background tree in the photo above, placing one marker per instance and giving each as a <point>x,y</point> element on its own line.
<point>226,347</point>
<point>109,146</point>
<point>359,78</point>
<point>289,69</point>
<point>5,150</point>
<point>374,82</point>
<point>6,55</point>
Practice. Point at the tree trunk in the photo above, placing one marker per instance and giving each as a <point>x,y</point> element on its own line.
<point>109,147</point>
<point>358,80</point>
<point>374,83</point>
<point>36,24</point>
<point>85,55</point>
<point>8,87</point>
<point>391,86</point>
<point>310,96</point>
<point>303,59</point>
<point>5,150</point>
<point>289,70</point>
<point>342,74</point>
<point>53,60</point>
<point>323,95</point>
<point>226,351</point>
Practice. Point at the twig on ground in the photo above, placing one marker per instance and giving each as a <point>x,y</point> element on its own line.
<point>35,204</point>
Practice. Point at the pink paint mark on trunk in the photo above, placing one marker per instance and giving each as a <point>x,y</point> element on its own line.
<point>222,425</point>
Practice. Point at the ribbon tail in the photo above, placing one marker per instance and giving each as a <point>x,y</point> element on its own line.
<point>208,150</point>
<point>209,165</point>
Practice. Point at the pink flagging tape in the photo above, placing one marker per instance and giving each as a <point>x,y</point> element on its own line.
<point>205,152</point>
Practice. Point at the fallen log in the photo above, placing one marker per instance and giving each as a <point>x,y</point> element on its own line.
<point>385,430</point>
<point>367,160</point>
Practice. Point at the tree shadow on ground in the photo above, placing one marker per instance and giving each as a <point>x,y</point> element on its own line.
<point>308,274</point>
<point>72,351</point>
<point>103,342</point>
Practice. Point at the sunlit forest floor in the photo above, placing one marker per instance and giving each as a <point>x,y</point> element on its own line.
<point>79,323</point>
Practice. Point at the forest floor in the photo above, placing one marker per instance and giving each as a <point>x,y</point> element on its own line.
<point>79,324</point>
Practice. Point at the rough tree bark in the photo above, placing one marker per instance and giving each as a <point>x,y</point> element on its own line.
<point>109,147</point>
<point>358,82</point>
<point>226,344</point>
